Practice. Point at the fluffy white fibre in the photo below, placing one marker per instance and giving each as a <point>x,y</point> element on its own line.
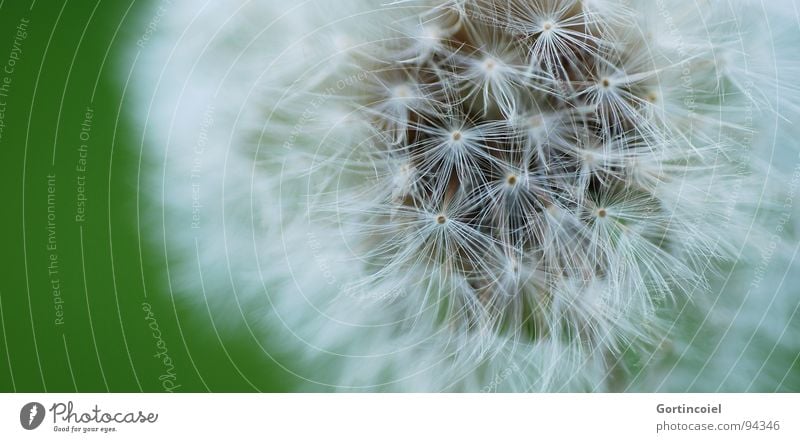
<point>476,195</point>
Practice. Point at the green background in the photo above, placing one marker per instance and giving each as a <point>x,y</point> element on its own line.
<point>71,60</point>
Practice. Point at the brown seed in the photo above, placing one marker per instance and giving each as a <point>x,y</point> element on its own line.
<point>602,213</point>
<point>441,219</point>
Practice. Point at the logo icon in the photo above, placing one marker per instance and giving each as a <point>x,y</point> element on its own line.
<point>31,415</point>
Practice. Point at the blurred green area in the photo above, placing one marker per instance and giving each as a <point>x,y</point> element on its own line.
<point>84,299</point>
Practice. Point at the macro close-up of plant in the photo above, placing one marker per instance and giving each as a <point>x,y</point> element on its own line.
<point>481,196</point>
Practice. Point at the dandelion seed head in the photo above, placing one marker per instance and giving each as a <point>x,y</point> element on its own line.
<point>524,162</point>
<point>534,175</point>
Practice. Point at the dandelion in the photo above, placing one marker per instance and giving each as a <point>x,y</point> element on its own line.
<point>535,182</point>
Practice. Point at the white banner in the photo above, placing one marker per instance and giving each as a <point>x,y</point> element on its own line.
<point>400,417</point>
